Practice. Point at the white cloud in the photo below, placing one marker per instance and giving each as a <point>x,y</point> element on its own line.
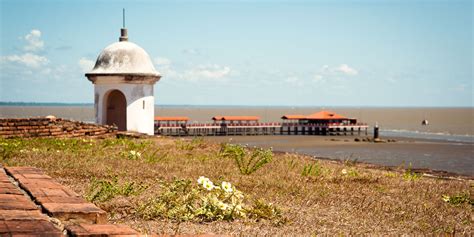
<point>164,67</point>
<point>318,78</point>
<point>86,65</point>
<point>213,72</point>
<point>459,88</point>
<point>206,72</point>
<point>27,59</point>
<point>160,61</point>
<point>34,41</point>
<point>333,73</point>
<point>292,79</point>
<point>191,51</point>
<point>344,68</point>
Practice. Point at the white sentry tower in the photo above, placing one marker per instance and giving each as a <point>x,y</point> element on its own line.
<point>123,78</point>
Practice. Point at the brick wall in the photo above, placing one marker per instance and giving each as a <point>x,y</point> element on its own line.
<point>52,127</point>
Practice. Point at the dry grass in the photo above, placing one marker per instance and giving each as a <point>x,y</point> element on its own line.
<point>324,202</point>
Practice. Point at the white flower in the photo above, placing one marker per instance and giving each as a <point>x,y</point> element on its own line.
<point>208,185</point>
<point>227,187</point>
<point>446,198</point>
<point>202,179</point>
<point>222,206</point>
<point>344,171</point>
<point>135,154</point>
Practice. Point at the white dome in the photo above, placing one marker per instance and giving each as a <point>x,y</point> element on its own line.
<point>124,58</point>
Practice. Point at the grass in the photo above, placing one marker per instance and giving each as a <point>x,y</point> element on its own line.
<point>288,195</point>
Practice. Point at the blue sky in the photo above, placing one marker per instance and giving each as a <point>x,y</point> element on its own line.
<point>297,53</point>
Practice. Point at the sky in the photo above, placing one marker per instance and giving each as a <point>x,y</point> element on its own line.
<point>266,53</point>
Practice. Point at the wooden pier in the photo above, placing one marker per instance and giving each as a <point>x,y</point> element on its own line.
<point>322,123</point>
<point>260,129</point>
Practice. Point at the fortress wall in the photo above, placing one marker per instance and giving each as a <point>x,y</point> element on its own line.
<point>53,127</point>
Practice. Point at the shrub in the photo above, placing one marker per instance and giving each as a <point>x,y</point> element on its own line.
<point>410,175</point>
<point>8,147</point>
<point>350,173</point>
<point>187,145</point>
<point>247,162</point>
<point>103,190</point>
<point>180,200</point>
<point>131,155</point>
<point>458,199</point>
<point>313,169</point>
<point>262,210</point>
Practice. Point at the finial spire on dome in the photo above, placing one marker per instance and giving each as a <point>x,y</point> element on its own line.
<point>123,31</point>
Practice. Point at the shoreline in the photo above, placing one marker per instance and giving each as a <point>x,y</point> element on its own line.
<point>433,157</point>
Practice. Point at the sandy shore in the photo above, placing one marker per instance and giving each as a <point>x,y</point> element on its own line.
<point>453,157</point>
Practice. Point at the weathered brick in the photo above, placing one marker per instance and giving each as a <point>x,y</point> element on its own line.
<point>55,130</point>
<point>24,127</point>
<point>22,215</point>
<point>13,198</point>
<point>100,230</point>
<point>22,170</point>
<point>29,228</point>
<point>15,191</point>
<point>56,199</point>
<point>4,185</point>
<point>6,133</point>
<point>19,204</point>
<point>54,134</point>
<point>77,212</point>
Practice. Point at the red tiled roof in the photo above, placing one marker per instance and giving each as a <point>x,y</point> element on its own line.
<point>325,115</point>
<point>236,118</point>
<point>293,116</point>
<point>158,118</point>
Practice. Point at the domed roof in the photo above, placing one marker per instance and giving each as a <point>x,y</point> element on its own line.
<point>124,58</point>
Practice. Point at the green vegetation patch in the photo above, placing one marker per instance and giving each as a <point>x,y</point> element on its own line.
<point>183,200</point>
<point>247,161</point>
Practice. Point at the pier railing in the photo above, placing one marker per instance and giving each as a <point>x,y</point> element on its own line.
<point>267,128</point>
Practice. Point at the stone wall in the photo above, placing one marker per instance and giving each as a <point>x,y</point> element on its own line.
<point>52,127</point>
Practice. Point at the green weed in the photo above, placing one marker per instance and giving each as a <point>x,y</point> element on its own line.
<point>185,145</point>
<point>313,169</point>
<point>410,175</point>
<point>247,162</point>
<point>104,190</point>
<point>263,210</point>
<point>458,199</point>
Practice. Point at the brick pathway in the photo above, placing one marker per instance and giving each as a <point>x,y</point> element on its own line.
<point>40,206</point>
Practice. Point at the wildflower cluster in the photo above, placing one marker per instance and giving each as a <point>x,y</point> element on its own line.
<point>132,155</point>
<point>352,172</point>
<point>182,200</point>
<point>220,202</point>
<point>458,199</point>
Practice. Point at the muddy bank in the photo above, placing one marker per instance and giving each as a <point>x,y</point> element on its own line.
<point>422,154</point>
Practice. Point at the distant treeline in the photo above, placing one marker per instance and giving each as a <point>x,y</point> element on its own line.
<point>43,104</point>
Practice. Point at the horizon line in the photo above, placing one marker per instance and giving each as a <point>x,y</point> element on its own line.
<point>12,103</point>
